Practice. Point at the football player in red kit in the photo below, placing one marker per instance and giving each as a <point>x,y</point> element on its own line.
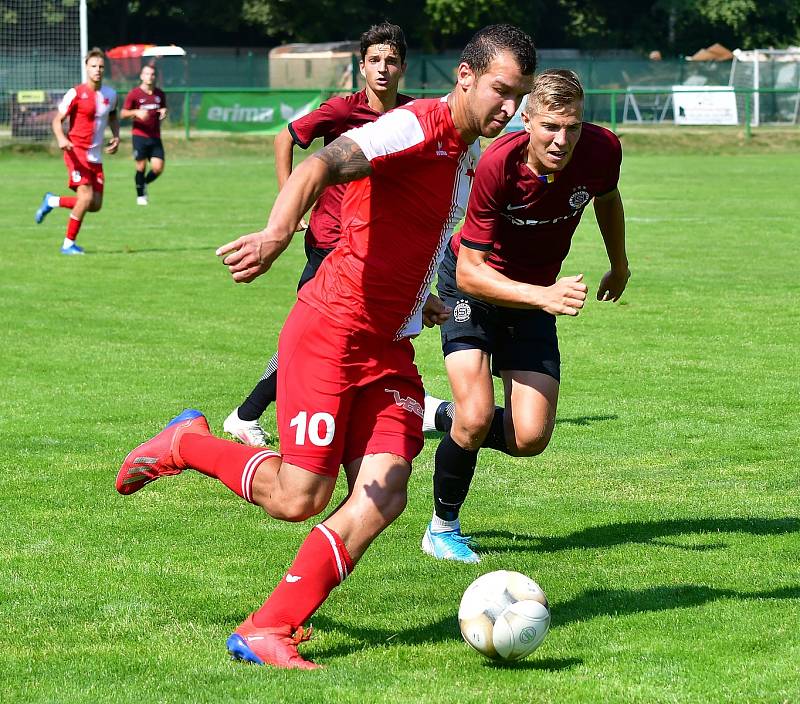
<point>383,62</point>
<point>499,276</point>
<point>348,391</point>
<point>90,107</point>
<point>147,105</point>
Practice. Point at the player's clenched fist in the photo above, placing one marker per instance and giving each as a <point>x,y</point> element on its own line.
<point>566,296</point>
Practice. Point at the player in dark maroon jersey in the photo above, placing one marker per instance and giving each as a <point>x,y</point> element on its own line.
<point>348,391</point>
<point>147,105</point>
<point>499,276</point>
<point>90,107</point>
<point>383,62</point>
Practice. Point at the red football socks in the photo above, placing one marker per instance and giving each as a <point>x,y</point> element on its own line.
<point>67,202</point>
<point>73,227</point>
<point>322,563</point>
<point>233,464</point>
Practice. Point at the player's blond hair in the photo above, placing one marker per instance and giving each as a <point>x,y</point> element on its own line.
<point>95,53</point>
<point>554,89</point>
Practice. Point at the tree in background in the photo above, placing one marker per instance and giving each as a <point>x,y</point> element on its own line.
<point>677,27</point>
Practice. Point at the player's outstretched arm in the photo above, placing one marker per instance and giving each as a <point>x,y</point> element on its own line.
<point>611,219</point>
<point>475,277</point>
<point>253,254</point>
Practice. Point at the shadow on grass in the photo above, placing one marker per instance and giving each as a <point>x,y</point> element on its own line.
<point>585,420</point>
<point>148,250</point>
<point>441,630</point>
<point>548,664</point>
<point>589,605</point>
<point>578,420</point>
<point>625,602</point>
<point>644,532</point>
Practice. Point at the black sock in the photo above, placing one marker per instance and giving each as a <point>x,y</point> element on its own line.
<point>151,176</point>
<point>443,419</point>
<point>263,394</point>
<point>496,437</point>
<point>454,470</point>
<point>139,183</point>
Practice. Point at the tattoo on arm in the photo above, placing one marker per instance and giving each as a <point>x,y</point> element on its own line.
<point>345,160</point>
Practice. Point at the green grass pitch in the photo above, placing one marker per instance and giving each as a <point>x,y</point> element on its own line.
<point>662,521</point>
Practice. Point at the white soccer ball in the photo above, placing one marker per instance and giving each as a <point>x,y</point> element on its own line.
<point>504,615</point>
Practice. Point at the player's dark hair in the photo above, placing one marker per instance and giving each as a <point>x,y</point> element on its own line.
<point>384,33</point>
<point>490,41</point>
<point>95,53</point>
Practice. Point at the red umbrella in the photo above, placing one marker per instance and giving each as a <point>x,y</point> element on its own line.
<point>126,60</point>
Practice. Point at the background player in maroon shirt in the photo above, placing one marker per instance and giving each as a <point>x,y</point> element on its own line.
<point>147,105</point>
<point>383,62</point>
<point>349,392</point>
<point>530,191</point>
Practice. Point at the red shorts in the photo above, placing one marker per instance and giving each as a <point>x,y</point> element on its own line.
<point>81,172</point>
<point>344,394</point>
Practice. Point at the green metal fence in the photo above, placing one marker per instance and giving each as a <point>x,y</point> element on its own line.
<point>654,105</point>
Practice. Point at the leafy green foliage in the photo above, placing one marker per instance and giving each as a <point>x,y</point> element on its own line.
<point>674,26</point>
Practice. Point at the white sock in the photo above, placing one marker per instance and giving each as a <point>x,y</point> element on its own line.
<point>429,412</point>
<point>441,526</point>
<point>52,201</point>
<point>67,243</point>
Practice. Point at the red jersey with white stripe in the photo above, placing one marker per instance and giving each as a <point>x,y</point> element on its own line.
<point>328,121</point>
<point>526,222</point>
<point>396,222</point>
<point>139,99</point>
<point>88,111</point>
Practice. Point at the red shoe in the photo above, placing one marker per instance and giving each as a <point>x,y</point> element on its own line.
<point>158,457</point>
<point>269,646</point>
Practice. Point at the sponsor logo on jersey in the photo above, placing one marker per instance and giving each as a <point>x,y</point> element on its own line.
<point>580,197</point>
<point>516,207</point>
<point>534,223</point>
<point>439,150</point>
<point>462,311</point>
<point>407,403</point>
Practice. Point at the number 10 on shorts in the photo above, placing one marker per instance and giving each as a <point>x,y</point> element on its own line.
<point>313,427</point>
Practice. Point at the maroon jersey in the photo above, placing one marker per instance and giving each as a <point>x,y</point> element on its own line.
<point>396,222</point>
<point>138,99</point>
<point>525,222</point>
<point>329,121</point>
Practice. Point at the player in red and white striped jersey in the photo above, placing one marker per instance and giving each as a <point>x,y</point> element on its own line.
<point>90,107</point>
<point>348,391</point>
<point>383,63</point>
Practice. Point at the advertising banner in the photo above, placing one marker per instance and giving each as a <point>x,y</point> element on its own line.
<point>254,112</point>
<point>711,105</point>
<point>32,111</point>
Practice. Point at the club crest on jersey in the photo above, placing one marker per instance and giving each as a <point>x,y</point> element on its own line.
<point>407,403</point>
<point>579,197</point>
<point>439,150</point>
<point>462,311</point>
